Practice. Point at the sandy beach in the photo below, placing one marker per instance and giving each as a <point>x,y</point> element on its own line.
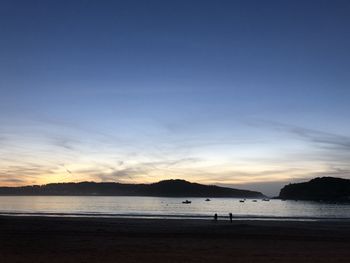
<point>57,239</point>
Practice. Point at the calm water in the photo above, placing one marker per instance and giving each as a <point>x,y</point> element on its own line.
<point>168,207</point>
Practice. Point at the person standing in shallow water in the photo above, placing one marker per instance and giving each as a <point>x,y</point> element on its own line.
<point>231,217</point>
<point>215,217</point>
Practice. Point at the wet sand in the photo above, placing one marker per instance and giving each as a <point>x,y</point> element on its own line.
<point>54,239</point>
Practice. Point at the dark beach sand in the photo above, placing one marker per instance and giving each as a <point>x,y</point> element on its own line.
<point>46,239</point>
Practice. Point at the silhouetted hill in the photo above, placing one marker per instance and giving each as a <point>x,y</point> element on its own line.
<point>318,189</point>
<point>171,188</point>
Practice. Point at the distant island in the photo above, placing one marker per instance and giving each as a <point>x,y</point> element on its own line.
<point>319,189</point>
<point>167,188</point>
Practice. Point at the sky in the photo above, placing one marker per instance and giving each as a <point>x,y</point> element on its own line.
<point>246,94</point>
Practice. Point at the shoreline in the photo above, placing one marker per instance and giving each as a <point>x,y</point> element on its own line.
<point>77,239</point>
<point>174,216</point>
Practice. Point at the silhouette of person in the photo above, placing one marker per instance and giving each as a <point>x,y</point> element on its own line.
<point>231,217</point>
<point>216,217</point>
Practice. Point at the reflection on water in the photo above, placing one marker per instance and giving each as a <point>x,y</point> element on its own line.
<point>169,207</point>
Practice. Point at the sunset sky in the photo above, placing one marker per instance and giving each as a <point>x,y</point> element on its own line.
<point>249,94</point>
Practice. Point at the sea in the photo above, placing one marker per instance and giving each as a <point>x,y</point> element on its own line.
<point>170,208</point>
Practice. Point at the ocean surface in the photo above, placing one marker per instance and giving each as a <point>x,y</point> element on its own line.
<point>162,207</point>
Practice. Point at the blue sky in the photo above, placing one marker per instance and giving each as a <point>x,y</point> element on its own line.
<point>242,93</point>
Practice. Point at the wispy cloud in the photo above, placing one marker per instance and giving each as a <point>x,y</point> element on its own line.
<point>24,173</point>
<point>321,139</point>
<point>65,142</point>
<point>123,171</point>
<point>112,174</point>
<point>12,181</point>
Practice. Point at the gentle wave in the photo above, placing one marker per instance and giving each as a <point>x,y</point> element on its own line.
<point>169,216</point>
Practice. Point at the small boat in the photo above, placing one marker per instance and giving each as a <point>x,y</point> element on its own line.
<point>266,199</point>
<point>207,199</point>
<point>241,201</point>
<point>186,202</point>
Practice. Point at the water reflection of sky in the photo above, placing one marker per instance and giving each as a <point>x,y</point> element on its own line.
<point>169,206</point>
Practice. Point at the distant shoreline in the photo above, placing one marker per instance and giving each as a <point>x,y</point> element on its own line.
<point>165,188</point>
<point>163,196</point>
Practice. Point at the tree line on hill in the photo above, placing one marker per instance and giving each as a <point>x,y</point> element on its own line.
<point>170,188</point>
